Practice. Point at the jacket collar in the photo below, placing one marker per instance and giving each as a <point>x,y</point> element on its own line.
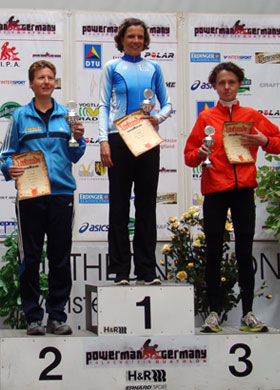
<point>128,58</point>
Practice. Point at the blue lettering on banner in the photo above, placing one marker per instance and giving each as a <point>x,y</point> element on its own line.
<point>205,57</point>
<point>93,198</point>
<point>7,227</point>
<point>87,227</point>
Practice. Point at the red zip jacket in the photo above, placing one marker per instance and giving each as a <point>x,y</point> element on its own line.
<point>223,175</point>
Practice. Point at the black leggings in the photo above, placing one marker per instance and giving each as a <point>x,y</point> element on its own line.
<point>215,207</point>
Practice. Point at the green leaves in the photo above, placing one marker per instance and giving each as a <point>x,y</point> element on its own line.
<point>10,301</point>
<point>269,192</point>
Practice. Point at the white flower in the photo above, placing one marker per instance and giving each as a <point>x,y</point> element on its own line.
<point>166,249</point>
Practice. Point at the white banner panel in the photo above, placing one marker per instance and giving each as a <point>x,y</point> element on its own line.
<point>94,36</point>
<point>252,42</point>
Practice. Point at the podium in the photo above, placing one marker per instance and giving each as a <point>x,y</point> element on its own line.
<point>153,347</point>
<point>139,310</point>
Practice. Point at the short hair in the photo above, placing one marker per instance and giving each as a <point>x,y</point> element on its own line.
<point>230,67</point>
<point>122,30</point>
<point>40,65</point>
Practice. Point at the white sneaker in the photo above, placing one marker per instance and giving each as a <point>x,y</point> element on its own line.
<point>250,323</point>
<point>211,324</point>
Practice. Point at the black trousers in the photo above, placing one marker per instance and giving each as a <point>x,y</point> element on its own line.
<point>143,171</point>
<point>51,215</point>
<point>215,207</point>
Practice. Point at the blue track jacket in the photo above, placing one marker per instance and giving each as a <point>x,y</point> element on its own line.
<point>122,91</point>
<point>27,132</point>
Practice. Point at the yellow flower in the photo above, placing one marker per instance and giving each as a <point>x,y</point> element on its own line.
<point>194,211</point>
<point>165,249</point>
<point>174,225</point>
<point>200,235</point>
<point>169,276</point>
<point>229,226</point>
<point>172,219</point>
<point>185,216</point>
<point>172,236</point>
<point>190,265</point>
<point>229,214</point>
<point>269,296</point>
<point>197,243</point>
<point>181,275</point>
<point>223,279</point>
<point>161,262</point>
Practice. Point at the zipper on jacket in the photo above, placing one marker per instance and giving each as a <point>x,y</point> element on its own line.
<point>233,165</point>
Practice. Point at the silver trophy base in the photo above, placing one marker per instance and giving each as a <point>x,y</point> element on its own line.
<point>73,144</point>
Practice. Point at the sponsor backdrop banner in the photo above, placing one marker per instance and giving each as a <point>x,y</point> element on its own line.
<point>94,47</point>
<point>252,42</point>
<point>25,37</point>
<point>28,36</point>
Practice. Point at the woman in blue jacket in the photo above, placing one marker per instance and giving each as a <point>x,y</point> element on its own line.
<point>41,125</point>
<point>122,87</point>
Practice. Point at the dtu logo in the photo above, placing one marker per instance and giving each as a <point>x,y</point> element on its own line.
<point>92,56</point>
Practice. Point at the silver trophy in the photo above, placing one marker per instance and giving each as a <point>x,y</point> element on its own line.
<point>71,118</point>
<point>147,105</point>
<point>208,141</point>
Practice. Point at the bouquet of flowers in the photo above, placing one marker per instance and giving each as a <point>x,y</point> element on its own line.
<point>187,250</point>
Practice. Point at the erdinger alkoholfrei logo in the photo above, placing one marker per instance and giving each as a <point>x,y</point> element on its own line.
<point>13,25</point>
<point>92,56</point>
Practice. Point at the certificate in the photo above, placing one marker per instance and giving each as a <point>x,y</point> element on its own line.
<point>237,153</point>
<point>35,179</point>
<point>138,134</point>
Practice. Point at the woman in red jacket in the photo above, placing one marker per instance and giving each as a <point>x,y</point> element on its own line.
<point>231,186</point>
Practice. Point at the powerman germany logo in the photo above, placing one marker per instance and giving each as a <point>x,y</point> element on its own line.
<point>92,56</point>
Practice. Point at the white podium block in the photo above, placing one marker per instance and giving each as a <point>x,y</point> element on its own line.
<point>139,310</point>
<point>229,360</point>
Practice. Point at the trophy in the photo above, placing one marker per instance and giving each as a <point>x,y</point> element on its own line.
<point>208,141</point>
<point>71,118</point>
<point>147,104</point>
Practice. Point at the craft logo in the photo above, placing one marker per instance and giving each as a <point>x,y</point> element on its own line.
<point>201,85</point>
<point>147,354</point>
<point>146,375</point>
<point>237,58</point>
<point>237,30</point>
<point>13,82</point>
<point>46,55</point>
<point>12,26</point>
<point>7,109</point>
<point>201,106</point>
<point>269,85</point>
<point>9,57</point>
<point>88,112</point>
<point>113,30</point>
<point>160,56</point>
<point>267,58</point>
<point>205,57</point>
<point>100,169</point>
<point>93,198</point>
<point>92,56</point>
<point>245,85</point>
